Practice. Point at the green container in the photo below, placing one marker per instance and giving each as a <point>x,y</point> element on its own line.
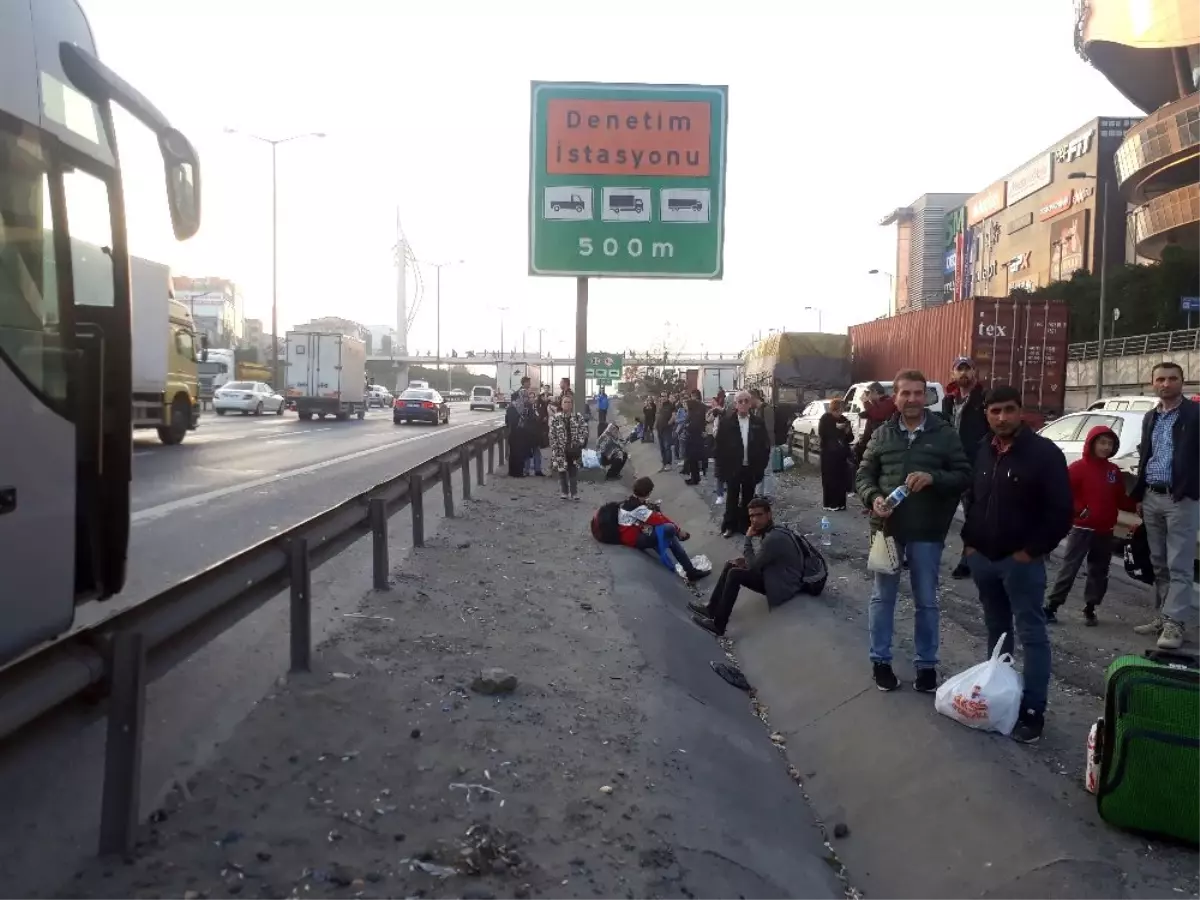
<point>1150,761</point>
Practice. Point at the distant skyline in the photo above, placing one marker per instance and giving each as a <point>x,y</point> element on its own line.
<point>845,110</point>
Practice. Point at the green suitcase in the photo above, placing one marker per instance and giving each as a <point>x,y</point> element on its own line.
<point>1150,755</point>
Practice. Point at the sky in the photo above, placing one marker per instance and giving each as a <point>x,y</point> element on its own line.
<point>849,109</point>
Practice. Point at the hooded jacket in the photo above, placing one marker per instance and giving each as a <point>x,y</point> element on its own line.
<point>972,425</point>
<point>1097,486</point>
<point>873,416</point>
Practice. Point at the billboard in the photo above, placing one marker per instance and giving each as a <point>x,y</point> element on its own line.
<point>986,203</point>
<point>1068,246</point>
<point>1030,178</point>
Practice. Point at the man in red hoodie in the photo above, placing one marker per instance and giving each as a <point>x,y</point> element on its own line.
<point>1098,489</point>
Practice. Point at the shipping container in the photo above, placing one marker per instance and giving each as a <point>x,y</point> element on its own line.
<point>716,378</point>
<point>1017,341</point>
<point>692,379</point>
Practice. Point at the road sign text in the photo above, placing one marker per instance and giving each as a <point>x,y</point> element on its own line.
<point>627,137</point>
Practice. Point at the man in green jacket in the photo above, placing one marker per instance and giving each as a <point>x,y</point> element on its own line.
<point>919,450</point>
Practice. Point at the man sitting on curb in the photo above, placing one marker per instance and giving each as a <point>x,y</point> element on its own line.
<point>776,570</point>
<point>642,526</point>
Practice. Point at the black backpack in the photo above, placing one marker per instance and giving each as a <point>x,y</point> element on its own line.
<point>605,528</point>
<point>1137,557</point>
<point>816,572</point>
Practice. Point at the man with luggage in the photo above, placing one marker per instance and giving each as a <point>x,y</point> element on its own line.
<point>776,570</point>
<point>963,408</point>
<point>920,452</point>
<point>1020,509</point>
<point>1167,493</point>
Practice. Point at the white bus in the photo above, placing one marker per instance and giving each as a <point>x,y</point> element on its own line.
<point>65,358</point>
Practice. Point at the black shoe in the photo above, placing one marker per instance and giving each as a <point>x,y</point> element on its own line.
<point>1089,617</point>
<point>926,681</point>
<point>961,570</point>
<point>1051,613</point>
<point>1029,727</point>
<point>885,678</point>
<point>709,625</point>
<point>700,609</point>
<point>690,481</point>
<point>696,574</point>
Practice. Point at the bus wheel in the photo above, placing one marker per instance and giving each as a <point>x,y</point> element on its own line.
<point>174,433</point>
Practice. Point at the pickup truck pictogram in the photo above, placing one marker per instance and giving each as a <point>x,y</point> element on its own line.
<point>575,203</point>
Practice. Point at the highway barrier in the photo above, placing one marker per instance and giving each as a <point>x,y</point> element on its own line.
<point>105,669</point>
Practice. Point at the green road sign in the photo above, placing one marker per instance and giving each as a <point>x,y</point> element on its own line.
<point>604,365</point>
<point>627,180</point>
<point>604,382</point>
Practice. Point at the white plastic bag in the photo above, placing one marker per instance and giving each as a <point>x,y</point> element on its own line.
<point>766,487</point>
<point>986,696</point>
<point>590,459</point>
<point>700,562</point>
<point>884,557</point>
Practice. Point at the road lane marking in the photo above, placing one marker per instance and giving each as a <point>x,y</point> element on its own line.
<point>164,509</point>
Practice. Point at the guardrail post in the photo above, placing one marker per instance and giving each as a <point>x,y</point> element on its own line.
<point>465,459</point>
<point>500,444</point>
<point>491,457</point>
<point>121,803</point>
<point>479,466</point>
<point>377,514</point>
<point>301,591</point>
<point>416,499</point>
<point>807,446</point>
<point>447,476</point>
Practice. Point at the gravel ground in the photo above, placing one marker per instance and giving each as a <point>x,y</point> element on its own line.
<point>390,772</point>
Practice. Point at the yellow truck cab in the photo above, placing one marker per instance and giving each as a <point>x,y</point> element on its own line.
<point>166,390</point>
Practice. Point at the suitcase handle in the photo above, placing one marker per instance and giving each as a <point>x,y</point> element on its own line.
<point>1171,657</point>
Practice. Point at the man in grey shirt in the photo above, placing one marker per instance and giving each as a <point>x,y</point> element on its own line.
<point>777,570</point>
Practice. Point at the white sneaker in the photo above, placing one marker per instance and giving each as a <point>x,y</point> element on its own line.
<point>1171,637</point>
<point>1154,626</point>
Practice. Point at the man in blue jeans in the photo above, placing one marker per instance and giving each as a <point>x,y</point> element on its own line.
<point>918,449</point>
<point>1020,509</point>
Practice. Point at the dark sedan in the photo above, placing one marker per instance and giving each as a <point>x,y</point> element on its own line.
<point>420,405</point>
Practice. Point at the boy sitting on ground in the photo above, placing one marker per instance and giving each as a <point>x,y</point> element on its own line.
<point>643,526</point>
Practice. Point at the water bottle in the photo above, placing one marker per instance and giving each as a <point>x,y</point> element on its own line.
<point>825,526</point>
<point>896,497</point>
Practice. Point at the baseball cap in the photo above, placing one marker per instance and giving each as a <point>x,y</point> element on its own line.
<point>964,361</point>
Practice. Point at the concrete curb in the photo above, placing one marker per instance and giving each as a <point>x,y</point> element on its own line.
<point>928,808</point>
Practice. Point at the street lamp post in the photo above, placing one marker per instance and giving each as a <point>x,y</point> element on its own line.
<point>503,310</point>
<point>275,142</point>
<point>817,310</point>
<point>438,314</point>
<point>1101,199</point>
<point>891,285</point>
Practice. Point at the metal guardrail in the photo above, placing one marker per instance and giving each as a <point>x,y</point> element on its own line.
<point>1158,342</point>
<point>115,660</point>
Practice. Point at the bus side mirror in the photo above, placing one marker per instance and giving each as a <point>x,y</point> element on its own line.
<point>182,167</point>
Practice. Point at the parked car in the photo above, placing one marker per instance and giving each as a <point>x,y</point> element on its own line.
<point>1130,403</point>
<point>420,405</point>
<point>806,423</point>
<point>483,397</point>
<point>247,397</point>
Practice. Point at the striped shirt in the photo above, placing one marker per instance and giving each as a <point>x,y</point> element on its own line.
<point>1162,448</point>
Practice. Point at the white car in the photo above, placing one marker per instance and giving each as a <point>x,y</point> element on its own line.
<point>806,422</point>
<point>483,397</point>
<point>247,397</point>
<point>377,396</point>
<point>1070,432</point>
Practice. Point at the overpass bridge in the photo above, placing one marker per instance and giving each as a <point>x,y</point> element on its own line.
<point>683,359</point>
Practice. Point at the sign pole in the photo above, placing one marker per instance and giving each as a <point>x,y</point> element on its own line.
<point>581,314</point>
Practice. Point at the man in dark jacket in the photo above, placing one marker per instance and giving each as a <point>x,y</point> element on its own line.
<point>649,412</point>
<point>697,414</point>
<point>776,570</point>
<point>1167,491</point>
<point>664,429</point>
<point>923,453</point>
<point>962,407</point>
<point>742,453</point>
<point>1021,508</point>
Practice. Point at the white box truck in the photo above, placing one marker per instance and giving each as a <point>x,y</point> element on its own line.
<point>508,379</point>
<point>166,393</point>
<point>326,374</point>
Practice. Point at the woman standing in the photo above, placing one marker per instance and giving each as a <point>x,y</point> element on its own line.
<point>568,437</point>
<point>541,435</point>
<point>649,412</point>
<point>835,435</point>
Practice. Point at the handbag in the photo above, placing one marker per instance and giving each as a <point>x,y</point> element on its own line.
<point>884,558</point>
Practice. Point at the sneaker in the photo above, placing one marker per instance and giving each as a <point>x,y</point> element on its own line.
<point>1051,614</point>
<point>926,681</point>
<point>700,609</point>
<point>885,678</point>
<point>1154,626</point>
<point>727,533</point>
<point>708,625</point>
<point>1028,729</point>
<point>575,497</point>
<point>566,496</point>
<point>1171,637</point>
<point>961,571</point>
<point>1089,617</point>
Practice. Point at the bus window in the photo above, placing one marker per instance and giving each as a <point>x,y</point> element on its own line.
<point>91,238</point>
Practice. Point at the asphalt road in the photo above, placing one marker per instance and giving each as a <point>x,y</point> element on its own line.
<point>233,482</point>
